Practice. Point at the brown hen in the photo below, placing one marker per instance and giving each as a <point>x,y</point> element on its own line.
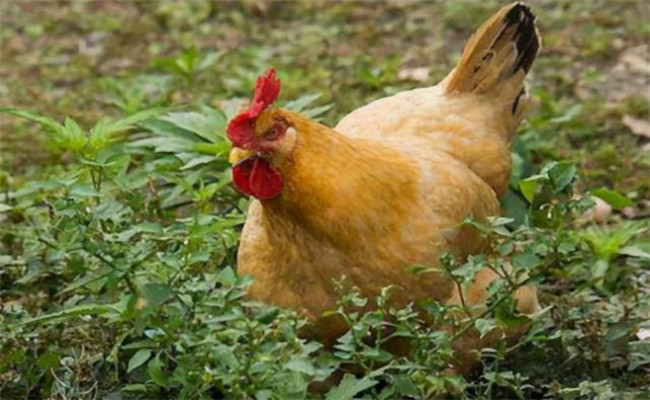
<point>388,187</point>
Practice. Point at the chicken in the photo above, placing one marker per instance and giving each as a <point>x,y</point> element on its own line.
<point>388,187</point>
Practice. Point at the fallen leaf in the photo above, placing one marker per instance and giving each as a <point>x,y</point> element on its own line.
<point>643,334</point>
<point>600,211</point>
<point>637,126</point>
<point>629,212</point>
<point>636,60</point>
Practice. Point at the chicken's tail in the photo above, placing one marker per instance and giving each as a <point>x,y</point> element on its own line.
<point>498,56</point>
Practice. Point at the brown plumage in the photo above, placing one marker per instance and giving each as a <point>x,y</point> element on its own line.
<point>386,188</point>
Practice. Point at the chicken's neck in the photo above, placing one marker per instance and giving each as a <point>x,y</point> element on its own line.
<point>342,190</point>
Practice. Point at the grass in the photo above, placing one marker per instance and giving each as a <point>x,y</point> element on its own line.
<point>119,228</point>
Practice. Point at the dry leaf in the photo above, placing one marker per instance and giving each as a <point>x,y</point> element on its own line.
<point>636,60</point>
<point>600,211</point>
<point>643,334</point>
<point>637,126</point>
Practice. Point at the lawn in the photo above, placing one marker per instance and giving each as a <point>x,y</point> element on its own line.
<point>119,224</point>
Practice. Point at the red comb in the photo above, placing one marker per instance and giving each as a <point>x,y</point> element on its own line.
<point>241,128</point>
<point>267,88</point>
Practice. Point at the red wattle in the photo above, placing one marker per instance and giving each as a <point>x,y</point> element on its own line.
<point>256,177</point>
<point>241,176</point>
<point>266,183</point>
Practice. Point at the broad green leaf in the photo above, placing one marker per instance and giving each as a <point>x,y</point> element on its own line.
<point>84,191</point>
<point>405,386</point>
<point>484,326</point>
<point>527,260</point>
<point>48,360</point>
<point>634,251</point>
<point>164,144</point>
<point>227,277</point>
<point>561,175</point>
<point>265,394</point>
<point>300,103</point>
<point>613,198</point>
<point>134,119</point>
<point>302,366</point>
<point>199,124</point>
<point>315,112</point>
<point>349,387</point>
<point>515,207</point>
<point>506,315</point>
<point>149,227</point>
<point>528,188</point>
<point>156,293</point>
<point>155,371</point>
<point>140,357</point>
<point>198,160</point>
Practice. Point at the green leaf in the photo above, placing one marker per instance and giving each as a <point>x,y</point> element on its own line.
<point>302,366</point>
<point>149,227</point>
<point>156,293</point>
<point>134,387</point>
<point>44,121</point>
<point>198,160</point>
<point>506,315</point>
<point>561,175</point>
<point>484,326</point>
<point>613,198</point>
<point>134,119</point>
<point>48,360</point>
<point>634,251</point>
<point>165,144</point>
<point>82,190</point>
<point>405,386</point>
<point>515,207</point>
<point>569,115</point>
<point>155,371</point>
<point>527,260</point>
<point>140,357</point>
<point>267,316</point>
<point>209,59</point>
<point>349,387</point>
<point>74,138</point>
<point>300,103</point>
<point>528,188</point>
<point>71,312</point>
<point>200,124</point>
<point>227,277</point>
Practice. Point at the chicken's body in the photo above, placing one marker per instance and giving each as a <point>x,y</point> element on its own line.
<point>390,185</point>
<point>409,213</point>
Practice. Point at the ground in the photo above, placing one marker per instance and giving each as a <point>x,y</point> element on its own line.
<point>117,250</point>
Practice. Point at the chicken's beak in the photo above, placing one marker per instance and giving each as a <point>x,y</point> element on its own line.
<point>238,155</point>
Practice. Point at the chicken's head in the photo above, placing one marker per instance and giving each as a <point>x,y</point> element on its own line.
<point>257,134</point>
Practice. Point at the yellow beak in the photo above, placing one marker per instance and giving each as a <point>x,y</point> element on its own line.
<point>238,155</point>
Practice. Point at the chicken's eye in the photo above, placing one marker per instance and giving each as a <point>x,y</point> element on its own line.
<point>275,132</point>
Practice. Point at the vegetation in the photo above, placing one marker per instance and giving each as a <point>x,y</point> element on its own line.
<point>119,226</point>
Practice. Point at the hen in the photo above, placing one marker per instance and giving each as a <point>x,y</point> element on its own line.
<point>388,187</point>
